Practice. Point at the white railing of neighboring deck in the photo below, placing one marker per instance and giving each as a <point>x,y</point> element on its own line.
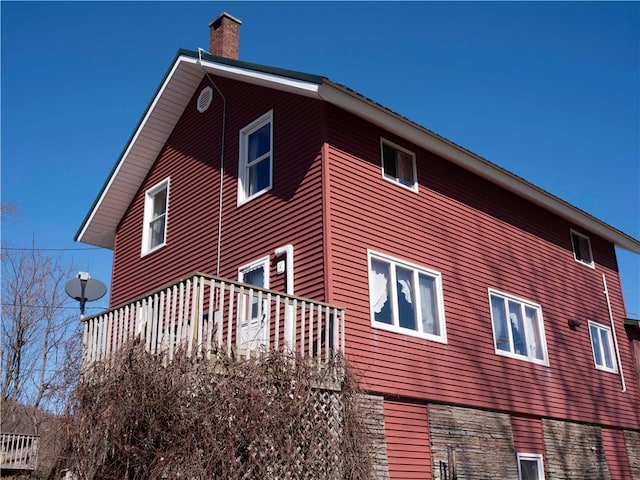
<point>19,451</point>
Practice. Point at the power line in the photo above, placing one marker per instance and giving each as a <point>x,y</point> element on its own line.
<point>51,249</point>
<point>48,306</point>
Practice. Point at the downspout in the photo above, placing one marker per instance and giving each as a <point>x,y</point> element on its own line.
<point>289,313</point>
<point>613,332</point>
<point>224,123</point>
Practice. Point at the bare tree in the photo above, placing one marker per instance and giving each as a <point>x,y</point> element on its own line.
<point>40,339</point>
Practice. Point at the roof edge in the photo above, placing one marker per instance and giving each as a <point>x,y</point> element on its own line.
<point>187,55</point>
<point>256,67</point>
<point>371,111</point>
<point>403,127</point>
<point>114,169</point>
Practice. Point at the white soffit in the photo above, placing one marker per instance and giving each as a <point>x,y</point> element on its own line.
<point>154,130</point>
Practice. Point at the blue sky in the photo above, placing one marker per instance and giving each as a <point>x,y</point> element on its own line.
<point>550,91</point>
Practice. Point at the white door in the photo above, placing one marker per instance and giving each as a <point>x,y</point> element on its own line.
<point>253,308</point>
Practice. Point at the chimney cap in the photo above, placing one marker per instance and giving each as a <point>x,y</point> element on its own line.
<point>221,16</point>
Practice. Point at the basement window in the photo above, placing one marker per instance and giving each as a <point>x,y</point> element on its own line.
<point>530,466</point>
<point>255,169</point>
<point>398,165</point>
<point>156,201</point>
<point>582,248</point>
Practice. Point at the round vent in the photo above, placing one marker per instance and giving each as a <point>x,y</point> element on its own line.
<point>204,100</point>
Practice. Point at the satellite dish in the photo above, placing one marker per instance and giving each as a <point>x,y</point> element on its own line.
<point>84,289</point>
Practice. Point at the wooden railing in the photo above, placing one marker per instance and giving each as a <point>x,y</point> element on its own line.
<point>19,451</point>
<point>208,316</point>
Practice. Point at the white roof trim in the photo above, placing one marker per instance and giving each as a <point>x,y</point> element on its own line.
<point>153,131</point>
<point>115,176</point>
<point>404,128</point>
<point>268,80</point>
<point>182,80</point>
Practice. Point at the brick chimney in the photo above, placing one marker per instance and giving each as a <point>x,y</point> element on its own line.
<point>224,38</point>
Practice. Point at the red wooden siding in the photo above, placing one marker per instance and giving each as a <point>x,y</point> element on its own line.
<point>615,452</point>
<point>407,433</point>
<point>478,236</point>
<point>290,213</point>
<point>527,434</point>
<point>330,202</point>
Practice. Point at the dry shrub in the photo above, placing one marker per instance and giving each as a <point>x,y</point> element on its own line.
<point>261,418</point>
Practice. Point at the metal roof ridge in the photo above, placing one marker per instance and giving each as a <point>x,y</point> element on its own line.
<point>256,67</point>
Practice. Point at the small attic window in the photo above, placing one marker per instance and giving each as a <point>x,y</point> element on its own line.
<point>582,249</point>
<point>204,100</point>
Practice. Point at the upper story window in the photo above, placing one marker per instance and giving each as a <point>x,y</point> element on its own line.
<point>398,165</point>
<point>255,174</point>
<point>602,346</point>
<point>530,466</point>
<point>406,298</point>
<point>156,202</point>
<point>582,248</point>
<point>518,330</point>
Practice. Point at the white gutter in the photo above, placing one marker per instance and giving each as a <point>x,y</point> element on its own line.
<point>422,137</point>
<point>268,80</point>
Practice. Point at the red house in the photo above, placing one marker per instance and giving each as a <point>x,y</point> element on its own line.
<point>484,314</point>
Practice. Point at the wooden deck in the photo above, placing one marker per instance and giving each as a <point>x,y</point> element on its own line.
<point>209,316</point>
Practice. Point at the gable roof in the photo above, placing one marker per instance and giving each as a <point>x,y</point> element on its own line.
<point>186,73</point>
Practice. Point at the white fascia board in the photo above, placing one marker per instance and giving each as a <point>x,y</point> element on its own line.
<point>114,176</point>
<point>299,87</point>
<point>404,128</point>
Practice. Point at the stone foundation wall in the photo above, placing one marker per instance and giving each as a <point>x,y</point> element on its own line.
<point>480,441</point>
<point>632,442</point>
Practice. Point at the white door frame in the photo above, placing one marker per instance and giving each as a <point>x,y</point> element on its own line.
<point>252,332</point>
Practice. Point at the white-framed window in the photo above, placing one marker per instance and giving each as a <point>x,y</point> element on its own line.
<point>518,330</point>
<point>582,249</point>
<point>398,165</point>
<point>255,170</point>
<point>530,466</point>
<point>255,273</point>
<point>406,298</point>
<point>156,206</point>
<point>602,346</point>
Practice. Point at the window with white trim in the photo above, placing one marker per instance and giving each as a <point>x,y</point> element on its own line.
<point>582,248</point>
<point>255,174</point>
<point>518,330</point>
<point>398,165</point>
<point>156,202</point>
<point>602,346</point>
<point>530,466</point>
<point>406,298</point>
